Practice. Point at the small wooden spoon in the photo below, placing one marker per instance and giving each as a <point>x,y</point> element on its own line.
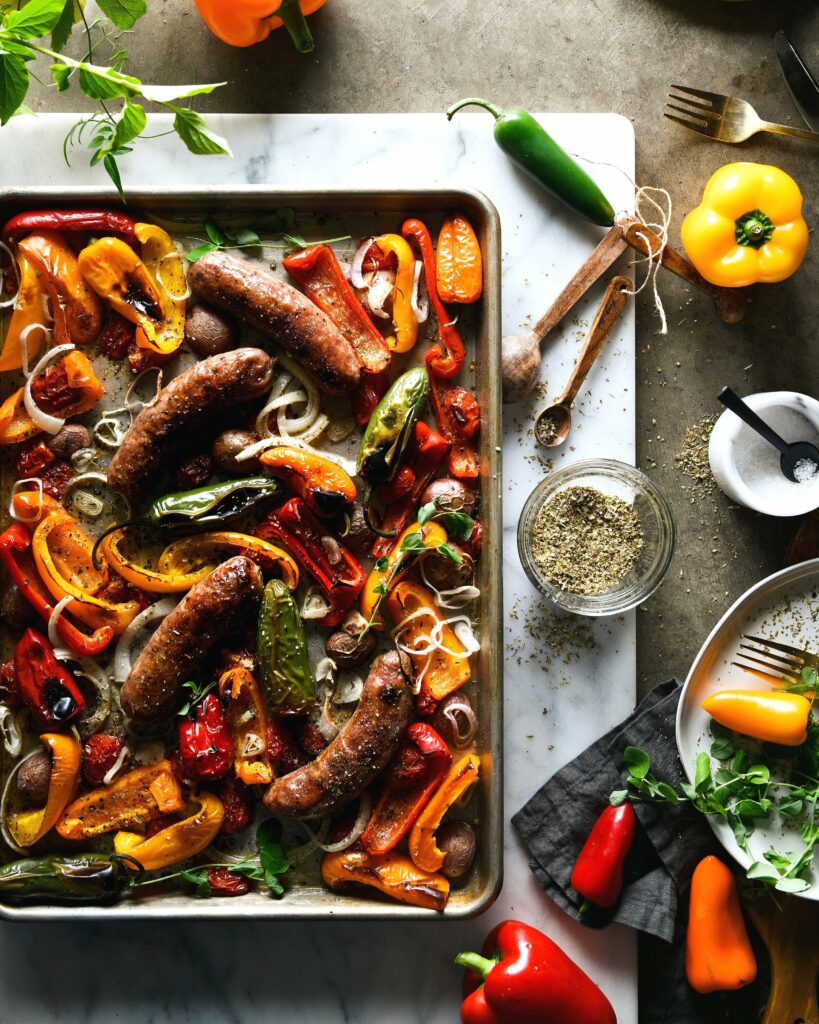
<point>554,422</point>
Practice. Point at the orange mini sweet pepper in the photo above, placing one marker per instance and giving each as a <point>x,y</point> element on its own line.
<point>28,827</point>
<point>29,309</point>
<point>394,875</point>
<point>422,846</point>
<point>775,717</point>
<point>247,22</point>
<point>718,953</point>
<point>179,840</point>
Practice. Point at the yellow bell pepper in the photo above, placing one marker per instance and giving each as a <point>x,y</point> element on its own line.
<point>775,717</point>
<point>167,270</point>
<point>29,309</point>
<point>432,534</point>
<point>422,846</point>
<point>749,227</point>
<point>404,320</point>
<point>179,841</point>
<point>29,827</point>
<point>247,22</point>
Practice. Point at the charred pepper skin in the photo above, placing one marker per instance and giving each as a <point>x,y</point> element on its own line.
<point>47,688</point>
<point>84,878</point>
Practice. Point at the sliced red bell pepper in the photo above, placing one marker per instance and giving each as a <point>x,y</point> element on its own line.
<point>109,222</point>
<point>598,873</point>
<point>205,741</point>
<point>371,389</point>
<point>46,686</point>
<point>428,452</point>
<point>413,776</point>
<point>335,569</point>
<point>319,273</point>
<point>525,978</point>
<point>449,360</point>
<point>458,417</point>
<point>14,554</point>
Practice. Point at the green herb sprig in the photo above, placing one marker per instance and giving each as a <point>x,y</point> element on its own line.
<point>457,524</point>
<point>121,119</point>
<point>221,238</point>
<point>197,695</point>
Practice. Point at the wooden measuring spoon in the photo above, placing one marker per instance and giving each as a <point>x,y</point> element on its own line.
<point>789,927</point>
<point>554,422</point>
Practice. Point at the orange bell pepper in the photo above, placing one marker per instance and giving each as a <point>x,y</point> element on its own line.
<point>432,533</point>
<point>422,846</point>
<point>718,953</point>
<point>166,269</point>
<point>775,717</point>
<point>179,841</point>
<point>394,874</point>
<point>15,423</point>
<point>247,22</point>
<point>458,262</point>
<point>443,671</point>
<point>136,798</point>
<point>28,309</point>
<point>321,483</point>
<point>247,718</point>
<point>76,309</point>
<point>28,827</point>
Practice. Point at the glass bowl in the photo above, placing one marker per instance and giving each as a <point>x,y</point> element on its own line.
<point>659,534</point>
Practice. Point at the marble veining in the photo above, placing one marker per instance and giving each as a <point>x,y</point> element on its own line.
<point>558,699</point>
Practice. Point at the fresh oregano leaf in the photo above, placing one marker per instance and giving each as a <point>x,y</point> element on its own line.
<point>192,129</point>
<point>123,13</point>
<point>13,85</point>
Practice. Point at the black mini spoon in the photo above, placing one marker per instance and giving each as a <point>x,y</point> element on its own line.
<point>790,453</point>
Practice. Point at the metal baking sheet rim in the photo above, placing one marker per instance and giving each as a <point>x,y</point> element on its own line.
<point>338,906</point>
<point>759,591</point>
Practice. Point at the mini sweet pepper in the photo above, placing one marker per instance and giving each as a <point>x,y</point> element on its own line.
<point>247,22</point>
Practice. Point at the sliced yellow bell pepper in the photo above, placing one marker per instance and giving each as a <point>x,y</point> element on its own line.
<point>432,533</point>
<point>404,320</point>
<point>167,271</point>
<point>773,717</point>
<point>28,309</point>
<point>749,227</point>
<point>29,827</point>
<point>179,841</point>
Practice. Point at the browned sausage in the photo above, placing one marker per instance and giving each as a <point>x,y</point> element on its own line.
<point>361,750</point>
<point>189,401</point>
<point>209,611</point>
<point>276,309</point>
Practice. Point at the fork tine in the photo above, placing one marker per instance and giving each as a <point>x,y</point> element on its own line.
<point>767,676</point>
<point>777,646</point>
<point>707,116</point>
<point>712,97</point>
<point>691,105</point>
<point>783,672</point>
<point>695,126</point>
<point>787,663</point>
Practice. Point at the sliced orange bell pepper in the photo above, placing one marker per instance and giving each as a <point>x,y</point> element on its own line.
<point>28,827</point>
<point>774,717</point>
<point>28,309</point>
<point>458,262</point>
<point>247,718</point>
<point>718,953</point>
<point>441,671</point>
<point>247,22</point>
<point>178,841</point>
<point>136,798</point>
<point>394,874</point>
<point>422,846</point>
<point>433,535</point>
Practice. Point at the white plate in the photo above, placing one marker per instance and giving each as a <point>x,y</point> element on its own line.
<point>783,607</point>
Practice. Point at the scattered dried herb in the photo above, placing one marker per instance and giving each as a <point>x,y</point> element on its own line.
<point>693,457</point>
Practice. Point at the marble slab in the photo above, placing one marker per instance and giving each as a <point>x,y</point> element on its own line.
<point>566,681</point>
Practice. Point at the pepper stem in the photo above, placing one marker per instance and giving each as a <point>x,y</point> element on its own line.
<point>296,24</point>
<point>475,962</point>
<point>754,229</point>
<point>473,101</point>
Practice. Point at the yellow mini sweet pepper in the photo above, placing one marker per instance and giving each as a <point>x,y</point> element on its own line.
<point>29,309</point>
<point>178,841</point>
<point>404,320</point>
<point>28,827</point>
<point>166,269</point>
<point>749,227</point>
<point>774,717</point>
<point>247,22</point>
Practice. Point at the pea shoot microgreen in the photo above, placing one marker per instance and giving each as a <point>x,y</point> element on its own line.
<point>110,132</point>
<point>221,237</point>
<point>457,524</point>
<point>197,695</point>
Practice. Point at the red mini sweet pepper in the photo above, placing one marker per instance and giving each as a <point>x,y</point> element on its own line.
<point>598,873</point>
<point>46,686</point>
<point>205,741</point>
<point>100,222</point>
<point>525,978</point>
<point>336,570</point>
<point>412,777</point>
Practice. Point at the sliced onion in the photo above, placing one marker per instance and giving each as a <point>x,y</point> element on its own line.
<point>332,549</point>
<point>83,458</point>
<point>363,816</point>
<point>420,294</point>
<point>252,745</point>
<point>357,279</point>
<point>340,430</point>
<point>461,626</point>
<point>21,485</point>
<point>300,853</point>
<point>326,726</point>
<point>13,264</point>
<point>461,715</point>
<point>133,401</point>
<point>53,635</point>
<point>111,774</point>
<point>10,729</point>
<point>315,605</point>
<point>457,597</point>
<point>24,334</point>
<point>379,293</point>
<point>257,447</point>
<point>109,430</point>
<point>174,298</point>
<point>123,655</point>
<point>349,688</point>
<point>4,804</point>
<point>88,504</point>
<point>325,671</point>
<point>48,424</point>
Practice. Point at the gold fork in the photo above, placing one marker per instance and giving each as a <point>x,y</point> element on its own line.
<point>725,118</point>
<point>784,667</point>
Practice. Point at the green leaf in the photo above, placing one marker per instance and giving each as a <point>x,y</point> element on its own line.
<point>382,588</point>
<point>192,129</point>
<point>459,525</point>
<point>667,793</point>
<point>130,124</point>
<point>166,93</point>
<point>101,83</point>
<point>295,241</point>
<point>198,878</point>
<point>112,170</point>
<point>426,512</point>
<point>62,30</point>
<point>382,564</point>
<point>758,774</point>
<point>761,871</point>
<point>34,20</point>
<point>792,806</point>
<point>792,885</point>
<point>449,552</point>
<point>637,762</point>
<point>702,775</point>
<point>200,251</point>
<point>413,542</point>
<point>245,236</point>
<point>722,749</point>
<point>740,830</point>
<point>618,797</point>
<point>688,790</point>
<point>13,85</point>
<point>214,232</point>
<point>272,855</point>
<point>752,808</point>
<point>21,50</point>
<point>123,13</point>
<point>61,73</point>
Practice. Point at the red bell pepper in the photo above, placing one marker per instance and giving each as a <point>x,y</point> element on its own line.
<point>428,452</point>
<point>107,222</point>
<point>14,554</point>
<point>205,741</point>
<point>413,776</point>
<point>525,978</point>
<point>598,873</point>
<point>320,275</point>
<point>335,569</point>
<point>458,416</point>
<point>371,389</point>
<point>46,686</point>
